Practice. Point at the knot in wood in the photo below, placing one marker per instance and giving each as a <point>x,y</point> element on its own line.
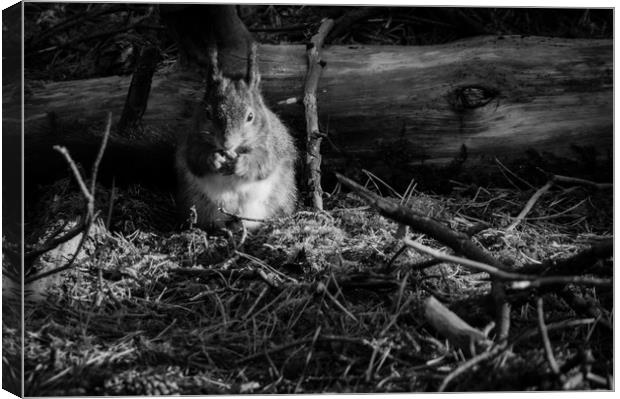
<point>470,97</point>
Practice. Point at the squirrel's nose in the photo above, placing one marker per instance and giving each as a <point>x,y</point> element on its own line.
<point>230,144</point>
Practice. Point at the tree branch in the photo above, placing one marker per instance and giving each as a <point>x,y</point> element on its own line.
<point>518,280</point>
<point>460,243</point>
<point>574,264</point>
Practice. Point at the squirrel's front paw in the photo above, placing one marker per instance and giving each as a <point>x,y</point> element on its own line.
<point>217,161</point>
<point>242,166</point>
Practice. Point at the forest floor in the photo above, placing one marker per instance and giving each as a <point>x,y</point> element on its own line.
<point>310,303</point>
<point>316,302</point>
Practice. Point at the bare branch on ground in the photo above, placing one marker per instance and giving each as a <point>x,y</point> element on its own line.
<point>460,243</point>
<point>450,325</point>
<point>89,214</point>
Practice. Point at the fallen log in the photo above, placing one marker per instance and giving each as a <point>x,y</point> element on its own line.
<point>498,96</point>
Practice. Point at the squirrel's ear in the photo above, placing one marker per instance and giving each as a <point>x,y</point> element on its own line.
<point>215,74</point>
<point>252,75</point>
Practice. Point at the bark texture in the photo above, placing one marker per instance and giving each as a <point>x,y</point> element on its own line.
<point>382,105</point>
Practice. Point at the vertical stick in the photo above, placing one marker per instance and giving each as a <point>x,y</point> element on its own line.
<point>312,172</point>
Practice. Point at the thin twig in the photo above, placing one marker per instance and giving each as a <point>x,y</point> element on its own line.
<point>244,236</point>
<point>597,379</point>
<point>559,214</point>
<point>561,280</point>
<point>373,177</point>
<point>371,363</point>
<point>408,192</point>
<point>76,172</point>
<point>266,266</point>
<point>476,228</point>
<point>237,217</point>
<point>502,347</point>
<point>512,173</point>
<point>69,264</point>
<point>469,364</point>
<point>530,204</point>
<point>207,274</point>
<point>582,306</point>
<point>396,255</point>
<point>545,337</point>
<point>104,143</point>
<point>51,244</point>
<point>108,219</point>
<point>558,325</point>
<point>517,280</point>
<point>575,263</point>
<point>321,288</point>
<point>90,214</point>
<point>494,271</point>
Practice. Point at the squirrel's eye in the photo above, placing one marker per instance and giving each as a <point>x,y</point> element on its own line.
<point>250,117</point>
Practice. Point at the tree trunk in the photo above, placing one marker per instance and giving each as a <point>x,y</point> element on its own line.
<point>382,106</point>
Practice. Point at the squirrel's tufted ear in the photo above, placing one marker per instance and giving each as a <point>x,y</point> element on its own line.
<point>215,74</point>
<point>252,75</point>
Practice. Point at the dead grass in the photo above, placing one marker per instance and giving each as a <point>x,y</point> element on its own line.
<point>307,305</point>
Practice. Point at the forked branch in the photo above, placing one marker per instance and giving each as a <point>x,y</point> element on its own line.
<point>87,219</point>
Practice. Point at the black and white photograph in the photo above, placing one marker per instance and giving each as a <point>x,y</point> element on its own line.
<point>204,198</point>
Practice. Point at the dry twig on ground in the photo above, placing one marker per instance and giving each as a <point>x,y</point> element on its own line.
<point>517,280</point>
<point>458,242</point>
<point>450,325</point>
<point>553,364</point>
<point>574,264</point>
<point>553,179</point>
<point>530,204</point>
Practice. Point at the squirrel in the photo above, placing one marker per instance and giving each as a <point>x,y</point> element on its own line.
<point>237,156</point>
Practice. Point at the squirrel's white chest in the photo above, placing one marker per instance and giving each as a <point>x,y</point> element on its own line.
<point>249,199</point>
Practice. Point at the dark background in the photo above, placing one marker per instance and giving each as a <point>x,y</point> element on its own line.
<point>65,41</point>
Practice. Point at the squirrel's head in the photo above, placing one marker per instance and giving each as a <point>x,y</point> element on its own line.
<point>234,105</point>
